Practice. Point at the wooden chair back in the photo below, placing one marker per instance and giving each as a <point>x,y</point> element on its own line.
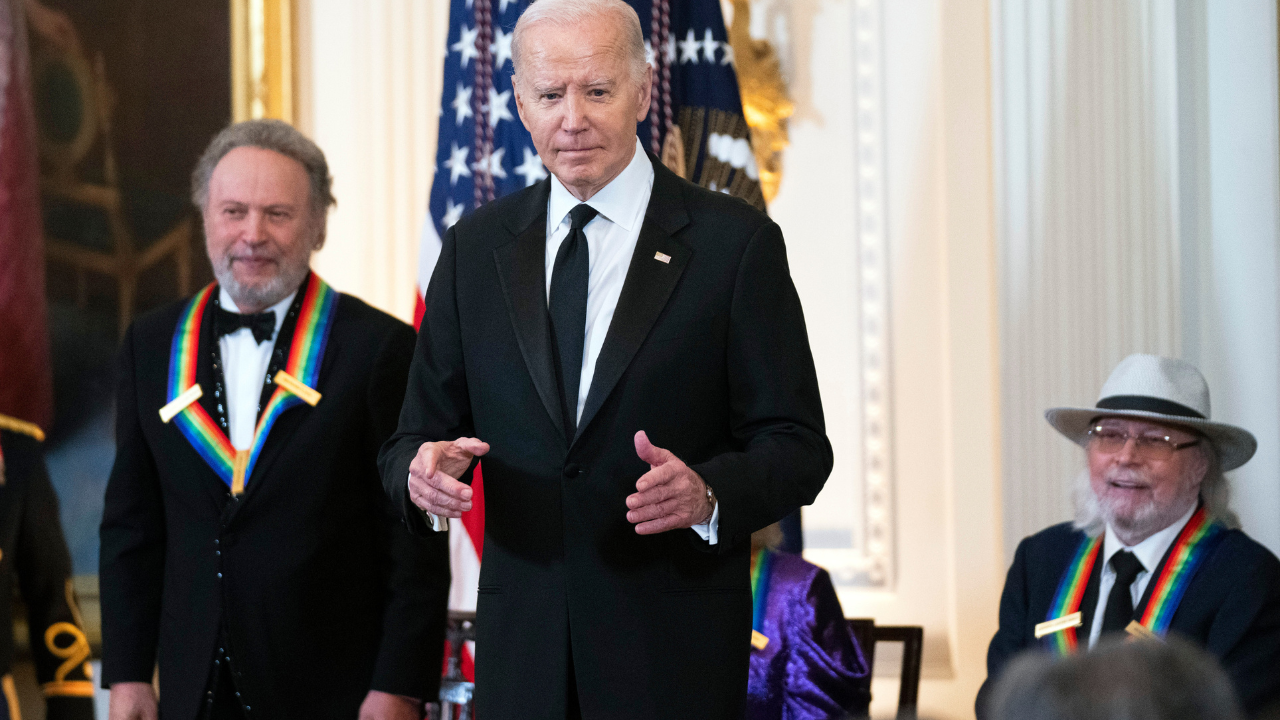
<point>869,635</point>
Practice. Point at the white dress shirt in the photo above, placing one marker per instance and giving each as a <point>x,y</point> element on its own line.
<point>244,368</point>
<point>611,241</point>
<point>1148,552</point>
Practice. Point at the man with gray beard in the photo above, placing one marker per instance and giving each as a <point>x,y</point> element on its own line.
<point>1155,548</point>
<point>247,545</point>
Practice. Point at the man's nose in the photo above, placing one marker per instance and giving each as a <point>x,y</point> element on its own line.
<point>255,230</point>
<point>575,117</point>
<point>1128,453</point>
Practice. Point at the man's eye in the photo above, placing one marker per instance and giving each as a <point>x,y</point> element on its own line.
<point>550,96</point>
<point>1151,440</point>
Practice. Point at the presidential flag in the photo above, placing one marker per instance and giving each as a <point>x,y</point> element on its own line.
<point>483,152</point>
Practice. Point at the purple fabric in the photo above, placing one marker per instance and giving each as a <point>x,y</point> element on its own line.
<point>812,667</point>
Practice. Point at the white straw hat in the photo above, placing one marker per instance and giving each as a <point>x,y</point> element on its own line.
<point>1150,387</point>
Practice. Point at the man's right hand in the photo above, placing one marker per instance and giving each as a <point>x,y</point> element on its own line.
<point>132,701</point>
<point>434,473</point>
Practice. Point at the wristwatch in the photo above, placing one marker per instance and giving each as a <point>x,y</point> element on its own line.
<point>711,498</point>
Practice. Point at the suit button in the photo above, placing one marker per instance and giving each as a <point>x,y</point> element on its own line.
<point>574,470</point>
<point>219,576</point>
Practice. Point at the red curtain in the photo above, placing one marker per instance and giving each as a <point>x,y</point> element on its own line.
<point>26,381</point>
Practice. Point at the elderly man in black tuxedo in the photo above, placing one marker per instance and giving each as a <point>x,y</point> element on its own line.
<point>1155,549</point>
<point>628,353</point>
<point>246,539</point>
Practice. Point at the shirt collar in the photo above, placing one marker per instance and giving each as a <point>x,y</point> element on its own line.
<point>1148,551</point>
<point>619,201</point>
<point>280,308</point>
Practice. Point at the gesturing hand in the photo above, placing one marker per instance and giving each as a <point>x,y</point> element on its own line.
<point>668,497</point>
<point>434,473</point>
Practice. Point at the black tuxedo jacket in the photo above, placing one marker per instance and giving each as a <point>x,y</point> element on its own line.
<point>318,590</point>
<point>707,353</point>
<point>1231,608</point>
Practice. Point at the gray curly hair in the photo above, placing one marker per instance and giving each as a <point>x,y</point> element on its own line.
<point>272,135</point>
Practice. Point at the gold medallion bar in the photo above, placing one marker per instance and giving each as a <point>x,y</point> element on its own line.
<point>1049,627</point>
<point>296,386</point>
<point>180,403</point>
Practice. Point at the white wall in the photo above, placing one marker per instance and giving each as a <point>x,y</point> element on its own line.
<point>1239,321</point>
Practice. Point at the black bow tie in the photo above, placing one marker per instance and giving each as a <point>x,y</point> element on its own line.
<point>262,324</point>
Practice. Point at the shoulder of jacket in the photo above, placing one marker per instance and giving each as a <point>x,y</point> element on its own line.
<point>355,314</point>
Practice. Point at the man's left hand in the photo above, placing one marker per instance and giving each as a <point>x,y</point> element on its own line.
<point>668,497</point>
<point>385,706</point>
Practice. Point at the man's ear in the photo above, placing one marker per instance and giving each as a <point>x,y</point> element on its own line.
<point>646,94</point>
<point>515,89</point>
<point>321,228</point>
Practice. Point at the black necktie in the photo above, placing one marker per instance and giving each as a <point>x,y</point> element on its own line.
<point>262,324</point>
<point>1119,611</point>
<point>568,307</point>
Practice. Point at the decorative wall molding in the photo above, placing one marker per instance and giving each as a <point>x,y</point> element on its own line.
<point>1087,189</point>
<point>868,561</point>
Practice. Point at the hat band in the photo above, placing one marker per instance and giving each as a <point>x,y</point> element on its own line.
<point>1145,403</point>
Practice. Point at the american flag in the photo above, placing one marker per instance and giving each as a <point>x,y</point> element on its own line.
<point>484,152</point>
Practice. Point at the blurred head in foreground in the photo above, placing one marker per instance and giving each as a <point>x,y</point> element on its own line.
<point>1120,680</point>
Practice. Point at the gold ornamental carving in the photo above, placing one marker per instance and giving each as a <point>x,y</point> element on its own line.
<point>262,59</point>
<point>765,102</point>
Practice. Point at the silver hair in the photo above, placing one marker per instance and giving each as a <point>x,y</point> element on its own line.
<point>273,135</point>
<point>1143,680</point>
<point>564,13</point>
<point>1215,493</point>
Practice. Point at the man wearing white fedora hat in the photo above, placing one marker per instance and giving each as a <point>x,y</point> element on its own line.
<point>1155,547</point>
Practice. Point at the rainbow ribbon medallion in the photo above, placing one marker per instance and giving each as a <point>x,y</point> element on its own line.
<point>1070,591</point>
<point>315,320</point>
<point>1195,543</point>
<point>759,597</point>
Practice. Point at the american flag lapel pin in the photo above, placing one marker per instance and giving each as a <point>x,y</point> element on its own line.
<point>662,257</point>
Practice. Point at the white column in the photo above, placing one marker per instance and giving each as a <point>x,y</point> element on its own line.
<point>1238,315</point>
<point>370,77</point>
<point>1088,196</point>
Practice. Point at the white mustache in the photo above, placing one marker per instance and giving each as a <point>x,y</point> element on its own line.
<point>1128,477</point>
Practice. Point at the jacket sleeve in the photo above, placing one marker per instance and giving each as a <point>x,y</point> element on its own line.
<point>132,534</point>
<point>775,409</point>
<point>58,643</point>
<point>1010,638</point>
<point>411,652</point>
<point>1245,634</point>
<point>436,404</point>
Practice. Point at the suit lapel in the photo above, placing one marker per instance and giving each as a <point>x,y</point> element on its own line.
<point>286,424</point>
<point>210,376</point>
<point>648,286</point>
<point>522,271</point>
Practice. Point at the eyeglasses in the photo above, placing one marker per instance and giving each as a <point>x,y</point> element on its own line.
<point>1149,447</point>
